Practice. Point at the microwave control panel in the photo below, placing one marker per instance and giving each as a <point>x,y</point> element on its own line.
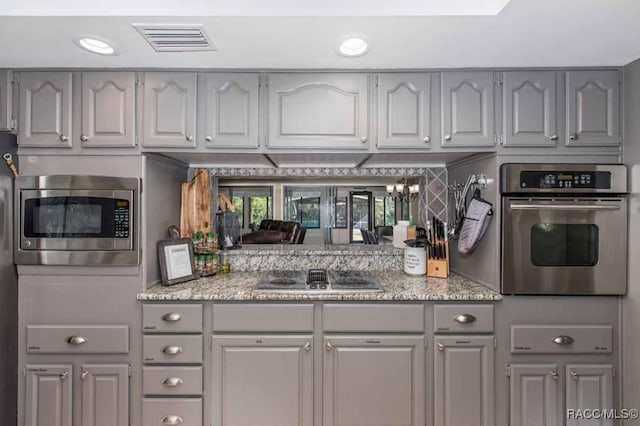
<point>121,219</point>
<point>540,179</point>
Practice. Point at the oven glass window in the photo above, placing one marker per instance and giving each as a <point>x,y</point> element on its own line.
<point>555,244</point>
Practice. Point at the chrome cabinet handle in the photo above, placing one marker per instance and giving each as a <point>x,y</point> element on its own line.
<point>208,138</point>
<point>427,139</point>
<point>76,340</point>
<point>84,375</point>
<point>84,138</point>
<point>554,375</point>
<point>307,346</point>
<point>363,139</point>
<point>172,420</point>
<point>465,318</point>
<point>574,375</point>
<point>172,350</point>
<point>63,375</point>
<point>447,137</point>
<point>574,136</point>
<point>563,340</point>
<point>440,347</point>
<point>189,138</point>
<point>172,382</point>
<point>564,207</point>
<point>172,317</point>
<point>328,346</point>
<point>63,138</point>
<point>553,137</point>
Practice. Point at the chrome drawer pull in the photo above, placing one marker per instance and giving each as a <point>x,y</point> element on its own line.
<point>440,347</point>
<point>172,382</point>
<point>554,375</point>
<point>563,340</point>
<point>307,346</point>
<point>465,318</point>
<point>328,346</point>
<point>172,420</point>
<point>172,317</point>
<point>63,375</point>
<point>76,340</point>
<point>575,375</point>
<point>172,350</point>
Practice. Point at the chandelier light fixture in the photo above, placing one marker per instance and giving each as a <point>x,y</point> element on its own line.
<point>403,191</point>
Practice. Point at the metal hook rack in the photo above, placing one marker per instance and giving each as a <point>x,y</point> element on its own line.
<point>460,192</point>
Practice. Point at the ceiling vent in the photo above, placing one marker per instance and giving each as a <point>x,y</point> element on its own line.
<point>175,37</point>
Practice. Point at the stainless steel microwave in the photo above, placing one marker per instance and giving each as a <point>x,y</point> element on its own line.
<point>77,220</point>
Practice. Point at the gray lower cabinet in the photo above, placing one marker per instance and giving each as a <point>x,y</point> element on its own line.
<point>468,110</point>
<point>105,395</point>
<point>262,380</point>
<point>534,392</point>
<point>228,105</point>
<point>108,109</point>
<point>464,381</point>
<point>593,108</point>
<point>318,110</point>
<point>48,395</point>
<point>6,92</point>
<point>588,387</point>
<point>45,109</point>
<point>373,380</point>
<point>169,110</point>
<point>404,110</point>
<point>529,108</point>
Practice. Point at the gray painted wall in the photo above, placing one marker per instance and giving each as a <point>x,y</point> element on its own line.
<point>631,304</point>
<point>8,291</point>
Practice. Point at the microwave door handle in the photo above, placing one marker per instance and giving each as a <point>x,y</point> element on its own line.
<point>601,207</point>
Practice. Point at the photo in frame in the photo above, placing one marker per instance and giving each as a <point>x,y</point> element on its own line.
<point>176,261</point>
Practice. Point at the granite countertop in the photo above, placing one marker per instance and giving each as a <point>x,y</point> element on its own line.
<point>240,286</point>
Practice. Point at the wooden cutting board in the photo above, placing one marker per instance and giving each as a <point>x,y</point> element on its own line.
<point>195,211</point>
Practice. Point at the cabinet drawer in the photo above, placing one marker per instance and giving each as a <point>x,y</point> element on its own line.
<point>166,411</point>
<point>463,318</point>
<point>169,318</point>
<point>374,318</point>
<point>172,349</point>
<point>553,339</point>
<point>172,380</point>
<point>81,339</point>
<point>260,317</point>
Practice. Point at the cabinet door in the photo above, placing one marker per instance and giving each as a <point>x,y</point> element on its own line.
<point>534,395</point>
<point>404,110</point>
<point>464,381</point>
<point>468,109</point>
<point>373,380</point>
<point>318,111</point>
<point>105,395</point>
<point>593,108</point>
<point>169,117</point>
<point>262,380</point>
<point>588,387</point>
<point>45,109</point>
<point>229,110</point>
<point>108,109</point>
<point>529,114</point>
<point>48,397</point>
<point>5,100</point>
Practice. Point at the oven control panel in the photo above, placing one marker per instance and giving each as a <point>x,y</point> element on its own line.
<point>541,179</point>
<point>121,219</point>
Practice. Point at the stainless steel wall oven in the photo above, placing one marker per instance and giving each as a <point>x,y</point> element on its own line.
<point>77,220</point>
<point>564,229</point>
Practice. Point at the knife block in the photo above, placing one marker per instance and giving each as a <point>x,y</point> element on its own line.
<point>439,268</point>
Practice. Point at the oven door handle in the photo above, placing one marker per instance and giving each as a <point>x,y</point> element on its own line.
<point>519,206</point>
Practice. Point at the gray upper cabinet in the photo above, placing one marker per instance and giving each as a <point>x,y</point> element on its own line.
<point>593,108</point>
<point>404,110</point>
<point>262,380</point>
<point>169,117</point>
<point>464,381</point>
<point>374,380</point>
<point>529,108</point>
<point>468,117</point>
<point>45,109</point>
<point>108,109</point>
<point>327,111</point>
<point>534,393</point>
<point>6,78</point>
<point>105,395</point>
<point>228,106</point>
<point>48,395</point>
<point>589,387</point>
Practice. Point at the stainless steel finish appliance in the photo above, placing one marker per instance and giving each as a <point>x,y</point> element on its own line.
<point>564,229</point>
<point>77,220</point>
<point>319,281</point>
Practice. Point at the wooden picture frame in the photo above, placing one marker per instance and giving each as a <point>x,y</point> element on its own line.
<point>175,266</point>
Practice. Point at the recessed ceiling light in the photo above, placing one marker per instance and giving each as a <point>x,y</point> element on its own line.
<point>353,45</point>
<point>95,45</point>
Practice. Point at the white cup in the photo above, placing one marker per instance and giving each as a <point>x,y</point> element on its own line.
<point>415,260</point>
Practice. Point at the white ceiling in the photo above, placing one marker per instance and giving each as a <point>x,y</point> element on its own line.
<point>526,33</point>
